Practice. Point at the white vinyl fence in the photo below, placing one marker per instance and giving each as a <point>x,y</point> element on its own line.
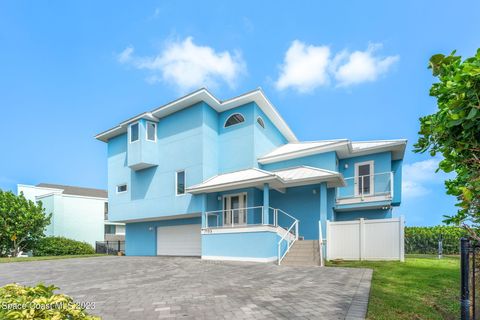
<point>376,239</point>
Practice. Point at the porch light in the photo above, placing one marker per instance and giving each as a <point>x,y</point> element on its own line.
<point>219,198</point>
<point>346,166</point>
<point>314,191</point>
<point>150,228</point>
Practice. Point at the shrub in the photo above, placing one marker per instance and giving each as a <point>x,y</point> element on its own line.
<point>425,239</point>
<point>60,246</point>
<point>39,302</point>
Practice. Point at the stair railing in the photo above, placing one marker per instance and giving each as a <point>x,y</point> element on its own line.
<point>290,241</point>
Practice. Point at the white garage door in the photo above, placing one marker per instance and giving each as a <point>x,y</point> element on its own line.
<point>182,240</point>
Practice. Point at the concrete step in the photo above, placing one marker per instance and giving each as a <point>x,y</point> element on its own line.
<point>299,264</point>
<point>303,253</point>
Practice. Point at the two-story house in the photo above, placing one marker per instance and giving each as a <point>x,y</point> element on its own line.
<point>77,213</point>
<point>229,179</point>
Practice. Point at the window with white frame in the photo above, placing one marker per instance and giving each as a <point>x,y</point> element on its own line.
<point>364,178</point>
<point>120,229</point>
<point>180,183</point>
<point>151,131</point>
<point>121,188</point>
<point>134,132</point>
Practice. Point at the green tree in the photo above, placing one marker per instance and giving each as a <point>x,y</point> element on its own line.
<point>454,130</point>
<point>22,223</point>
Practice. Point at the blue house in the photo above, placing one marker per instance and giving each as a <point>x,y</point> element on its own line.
<point>229,180</point>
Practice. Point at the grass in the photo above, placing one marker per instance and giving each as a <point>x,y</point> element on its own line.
<point>7,260</point>
<point>422,287</point>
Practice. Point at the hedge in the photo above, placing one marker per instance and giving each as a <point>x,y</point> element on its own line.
<point>60,246</point>
<point>40,302</point>
<point>424,240</point>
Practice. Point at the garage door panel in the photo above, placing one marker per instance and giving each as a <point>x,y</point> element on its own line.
<point>183,240</point>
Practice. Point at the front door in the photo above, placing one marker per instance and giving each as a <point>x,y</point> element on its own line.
<point>234,212</point>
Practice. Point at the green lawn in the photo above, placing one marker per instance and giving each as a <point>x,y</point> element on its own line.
<point>422,287</point>
<point>7,260</point>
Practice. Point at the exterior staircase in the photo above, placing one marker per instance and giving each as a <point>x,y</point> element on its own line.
<point>303,253</point>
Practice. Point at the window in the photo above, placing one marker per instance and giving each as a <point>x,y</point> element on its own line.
<point>260,122</point>
<point>234,119</point>
<point>134,132</point>
<point>121,188</point>
<point>105,211</point>
<point>120,230</point>
<point>180,183</point>
<point>151,131</point>
<point>109,229</point>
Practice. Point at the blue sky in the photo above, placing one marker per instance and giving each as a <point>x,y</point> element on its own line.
<point>351,69</point>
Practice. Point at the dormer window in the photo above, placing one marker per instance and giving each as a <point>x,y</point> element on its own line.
<point>260,122</point>
<point>134,128</point>
<point>234,119</point>
<point>151,131</point>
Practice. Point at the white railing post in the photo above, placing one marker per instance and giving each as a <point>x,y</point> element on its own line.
<point>231,216</point>
<point>275,214</point>
<point>296,230</point>
<point>362,239</point>
<point>206,219</point>
<point>320,242</point>
<point>278,253</point>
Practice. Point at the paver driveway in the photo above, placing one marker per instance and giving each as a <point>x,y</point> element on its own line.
<point>189,288</point>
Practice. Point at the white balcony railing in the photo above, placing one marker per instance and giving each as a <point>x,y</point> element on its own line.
<point>248,216</point>
<point>375,187</point>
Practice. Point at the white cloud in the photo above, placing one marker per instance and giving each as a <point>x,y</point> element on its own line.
<point>362,66</point>
<point>188,66</point>
<point>126,55</point>
<point>307,67</point>
<point>304,67</point>
<point>419,176</point>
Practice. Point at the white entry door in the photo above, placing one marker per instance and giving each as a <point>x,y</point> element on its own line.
<point>183,240</point>
<point>234,212</point>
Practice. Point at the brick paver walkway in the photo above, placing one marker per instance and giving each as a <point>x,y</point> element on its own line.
<point>189,288</point>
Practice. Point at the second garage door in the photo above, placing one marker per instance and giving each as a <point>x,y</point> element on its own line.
<point>184,240</point>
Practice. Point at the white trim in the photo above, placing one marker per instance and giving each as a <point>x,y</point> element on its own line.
<point>356,176</point>
<point>83,197</point>
<point>204,95</point>
<point>241,229</point>
<point>46,195</point>
<point>130,132</point>
<point>334,145</point>
<point>119,185</point>
<point>184,183</point>
<point>108,222</point>
<point>243,259</point>
<point>344,150</point>
<point>146,131</point>
<point>335,179</point>
<point>233,114</point>
<point>170,217</point>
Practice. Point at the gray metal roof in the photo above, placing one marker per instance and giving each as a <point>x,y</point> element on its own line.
<point>78,191</point>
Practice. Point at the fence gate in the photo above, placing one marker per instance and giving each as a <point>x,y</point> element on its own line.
<point>109,247</point>
<point>470,280</point>
<point>375,239</point>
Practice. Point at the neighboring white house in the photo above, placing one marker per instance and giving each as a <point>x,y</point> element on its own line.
<point>77,213</point>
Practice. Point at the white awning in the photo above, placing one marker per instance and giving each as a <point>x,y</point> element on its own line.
<point>281,179</point>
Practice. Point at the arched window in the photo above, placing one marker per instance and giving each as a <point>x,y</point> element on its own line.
<point>234,119</point>
<point>260,122</point>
